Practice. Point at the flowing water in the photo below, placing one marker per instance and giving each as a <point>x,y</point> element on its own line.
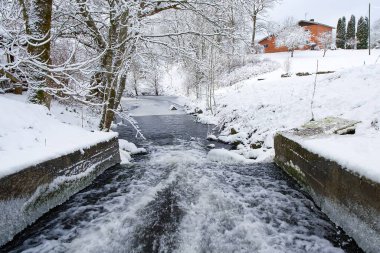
<point>175,200</point>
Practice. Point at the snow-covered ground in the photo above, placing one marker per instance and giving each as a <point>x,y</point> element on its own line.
<point>306,61</point>
<point>258,109</point>
<point>68,112</point>
<point>30,134</point>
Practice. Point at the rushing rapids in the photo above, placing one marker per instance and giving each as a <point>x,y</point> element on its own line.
<point>175,200</point>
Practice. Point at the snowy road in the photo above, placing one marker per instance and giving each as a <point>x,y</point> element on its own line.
<point>175,200</point>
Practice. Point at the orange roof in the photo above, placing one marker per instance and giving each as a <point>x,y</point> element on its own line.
<point>301,23</point>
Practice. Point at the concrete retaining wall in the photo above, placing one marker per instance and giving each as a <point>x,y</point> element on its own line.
<point>27,195</point>
<point>351,201</point>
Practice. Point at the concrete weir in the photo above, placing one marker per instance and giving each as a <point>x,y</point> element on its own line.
<point>350,200</point>
<point>26,195</point>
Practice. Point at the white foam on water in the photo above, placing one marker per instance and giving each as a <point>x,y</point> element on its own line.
<point>231,217</point>
<point>224,210</point>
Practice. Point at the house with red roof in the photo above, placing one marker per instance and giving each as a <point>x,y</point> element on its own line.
<point>316,29</point>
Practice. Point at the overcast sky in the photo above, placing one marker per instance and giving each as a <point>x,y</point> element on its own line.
<point>324,11</point>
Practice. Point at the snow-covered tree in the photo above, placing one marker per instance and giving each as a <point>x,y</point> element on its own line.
<point>351,33</point>
<point>292,36</point>
<point>341,33</point>
<point>326,40</point>
<point>25,39</point>
<point>12,36</point>
<point>115,30</point>
<point>375,34</point>
<point>362,33</point>
<point>215,44</point>
<point>37,15</point>
<point>338,33</point>
<point>256,10</point>
<point>135,75</point>
<point>88,48</point>
<point>152,72</point>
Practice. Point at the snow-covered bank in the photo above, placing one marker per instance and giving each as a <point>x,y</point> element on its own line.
<point>30,134</point>
<point>250,112</point>
<point>127,149</point>
<point>259,109</point>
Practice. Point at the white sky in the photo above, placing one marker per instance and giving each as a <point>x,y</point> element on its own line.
<point>324,11</point>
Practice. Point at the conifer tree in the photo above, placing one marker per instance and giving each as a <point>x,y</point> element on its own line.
<point>351,33</point>
<point>344,31</point>
<point>362,33</point>
<point>341,33</point>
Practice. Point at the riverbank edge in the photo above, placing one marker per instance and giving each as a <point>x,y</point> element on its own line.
<point>28,194</point>
<point>348,199</point>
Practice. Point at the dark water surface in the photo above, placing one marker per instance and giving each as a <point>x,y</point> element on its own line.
<point>175,200</point>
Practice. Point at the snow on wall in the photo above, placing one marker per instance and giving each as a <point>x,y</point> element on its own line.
<point>29,199</point>
<point>357,153</point>
<point>348,200</point>
<point>29,135</point>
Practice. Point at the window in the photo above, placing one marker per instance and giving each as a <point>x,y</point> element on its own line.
<point>266,46</point>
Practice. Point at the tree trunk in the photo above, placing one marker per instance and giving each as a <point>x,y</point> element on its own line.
<point>254,23</point>
<point>116,71</point>
<point>110,113</point>
<point>107,83</point>
<point>136,91</point>
<point>38,26</point>
<point>120,91</point>
<point>156,86</point>
<point>292,53</point>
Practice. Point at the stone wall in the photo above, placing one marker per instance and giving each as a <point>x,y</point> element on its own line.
<point>27,195</point>
<point>351,201</point>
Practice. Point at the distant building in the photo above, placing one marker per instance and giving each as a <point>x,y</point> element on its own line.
<point>316,29</point>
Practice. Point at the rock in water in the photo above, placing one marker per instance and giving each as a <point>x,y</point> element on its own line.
<point>212,137</point>
<point>233,131</point>
<point>257,145</point>
<point>173,108</point>
<point>198,111</point>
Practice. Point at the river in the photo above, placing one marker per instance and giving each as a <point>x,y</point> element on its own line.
<point>175,200</point>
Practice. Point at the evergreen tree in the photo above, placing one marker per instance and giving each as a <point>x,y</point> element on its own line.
<point>344,31</point>
<point>341,33</point>
<point>351,33</point>
<point>362,33</point>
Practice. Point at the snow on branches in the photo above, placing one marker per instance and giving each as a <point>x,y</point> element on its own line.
<point>375,42</point>
<point>326,40</point>
<point>84,49</point>
<point>293,37</point>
